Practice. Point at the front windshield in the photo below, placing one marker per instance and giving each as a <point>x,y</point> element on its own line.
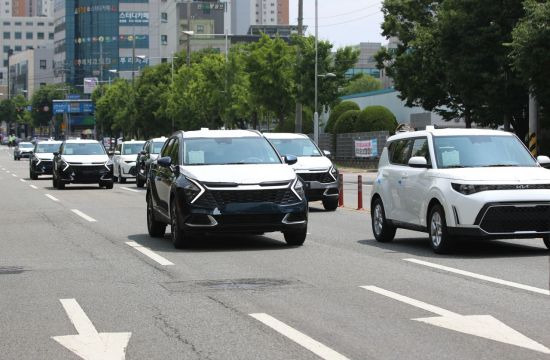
<point>157,146</point>
<point>481,151</point>
<point>26,145</point>
<point>296,147</point>
<point>221,151</point>
<point>83,149</point>
<point>47,148</point>
<point>132,149</point>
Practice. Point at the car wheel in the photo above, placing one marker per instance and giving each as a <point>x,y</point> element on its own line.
<point>121,179</point>
<point>546,240</point>
<point>139,183</point>
<point>330,204</point>
<point>107,184</point>
<point>179,236</point>
<point>295,238</point>
<point>383,231</point>
<point>54,181</point>
<point>155,228</point>
<point>33,175</point>
<point>440,239</point>
<point>60,184</point>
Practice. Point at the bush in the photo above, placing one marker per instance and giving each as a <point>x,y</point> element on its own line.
<point>290,123</point>
<point>337,111</point>
<point>346,122</point>
<point>376,118</point>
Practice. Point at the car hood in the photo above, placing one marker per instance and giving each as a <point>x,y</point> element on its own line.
<point>153,156</point>
<point>44,156</point>
<point>312,163</point>
<point>86,159</point>
<point>497,174</point>
<point>131,157</point>
<point>239,174</point>
<point>25,149</point>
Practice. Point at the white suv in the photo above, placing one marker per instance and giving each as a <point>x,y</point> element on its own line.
<point>124,160</point>
<point>455,183</point>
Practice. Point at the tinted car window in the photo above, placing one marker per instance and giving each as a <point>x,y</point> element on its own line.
<point>221,151</point>
<point>156,147</point>
<point>421,148</point>
<point>175,153</point>
<point>132,149</point>
<point>47,147</point>
<point>167,148</point>
<point>400,151</point>
<point>83,149</point>
<point>297,147</point>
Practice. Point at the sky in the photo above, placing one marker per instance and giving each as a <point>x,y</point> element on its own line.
<point>342,22</point>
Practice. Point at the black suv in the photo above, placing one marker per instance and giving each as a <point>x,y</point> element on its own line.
<point>146,156</point>
<point>211,181</point>
<point>82,162</point>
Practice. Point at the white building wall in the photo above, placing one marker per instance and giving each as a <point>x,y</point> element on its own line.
<point>5,9</point>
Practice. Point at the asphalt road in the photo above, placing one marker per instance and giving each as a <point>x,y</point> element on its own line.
<point>251,297</point>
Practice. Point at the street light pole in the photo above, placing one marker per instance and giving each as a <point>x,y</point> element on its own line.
<point>316,114</point>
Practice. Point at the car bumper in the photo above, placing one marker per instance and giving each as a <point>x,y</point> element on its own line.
<point>246,218</point>
<point>23,155</point>
<point>86,174</point>
<point>43,168</point>
<point>128,170</point>
<point>316,191</point>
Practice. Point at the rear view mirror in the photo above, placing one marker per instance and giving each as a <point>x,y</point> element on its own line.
<point>543,161</point>
<point>418,162</point>
<point>327,153</point>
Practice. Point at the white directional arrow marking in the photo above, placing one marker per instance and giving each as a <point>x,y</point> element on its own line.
<point>484,326</point>
<point>89,344</point>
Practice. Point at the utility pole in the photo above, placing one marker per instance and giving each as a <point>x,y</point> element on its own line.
<point>133,53</point>
<point>533,123</point>
<point>316,114</point>
<point>188,36</point>
<point>298,121</point>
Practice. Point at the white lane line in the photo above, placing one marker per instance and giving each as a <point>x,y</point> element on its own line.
<point>149,253</point>
<point>23,180</point>
<point>34,187</point>
<point>128,189</point>
<point>13,175</point>
<point>84,216</point>
<point>312,345</point>
<point>480,277</point>
<point>8,171</point>
<point>52,197</point>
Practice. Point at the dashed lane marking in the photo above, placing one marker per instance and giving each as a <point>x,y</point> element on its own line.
<point>84,216</point>
<point>22,180</point>
<point>132,190</point>
<point>34,187</point>
<point>302,339</point>
<point>52,197</point>
<point>479,276</point>
<point>13,175</point>
<point>149,253</point>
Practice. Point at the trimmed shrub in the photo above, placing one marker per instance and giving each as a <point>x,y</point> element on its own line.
<point>346,122</point>
<point>337,111</point>
<point>376,118</point>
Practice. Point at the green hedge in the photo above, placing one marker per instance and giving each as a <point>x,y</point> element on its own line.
<point>346,122</point>
<point>375,118</point>
<point>337,112</point>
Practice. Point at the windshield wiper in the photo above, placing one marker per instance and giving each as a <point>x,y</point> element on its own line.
<point>501,165</point>
<point>455,167</point>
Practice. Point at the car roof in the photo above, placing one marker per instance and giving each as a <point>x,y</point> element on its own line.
<point>205,133</point>
<point>284,136</point>
<point>82,141</point>
<point>159,139</point>
<point>134,142</point>
<point>24,142</point>
<point>49,141</point>
<point>448,132</point>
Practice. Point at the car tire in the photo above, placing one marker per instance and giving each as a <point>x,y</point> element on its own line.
<point>330,204</point>
<point>440,240</point>
<point>546,240</point>
<point>108,184</point>
<point>295,238</point>
<point>54,181</point>
<point>154,227</point>
<point>60,184</point>
<point>383,231</point>
<point>32,175</point>
<point>121,180</point>
<point>179,236</point>
<point>139,183</point>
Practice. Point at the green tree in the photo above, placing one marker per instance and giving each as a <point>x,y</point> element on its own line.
<point>346,122</point>
<point>375,118</point>
<point>337,111</point>
<point>7,112</point>
<point>531,49</point>
<point>362,83</point>
<point>290,124</point>
<point>115,110</point>
<point>42,102</point>
<point>270,65</point>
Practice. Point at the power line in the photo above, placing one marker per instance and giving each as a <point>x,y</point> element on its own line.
<point>351,20</point>
<point>346,13</point>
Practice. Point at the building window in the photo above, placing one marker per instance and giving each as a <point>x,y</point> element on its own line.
<point>18,23</point>
<point>7,23</point>
<point>200,29</point>
<point>7,35</point>
<point>18,35</point>
<point>164,60</point>
<point>29,23</point>
<point>40,24</point>
<point>50,24</point>
<point>17,48</point>
<point>28,47</point>
<point>40,36</point>
<point>43,64</point>
<point>50,36</point>
<point>6,63</point>
<point>29,35</point>
<point>6,49</point>
<point>164,17</point>
<point>164,39</point>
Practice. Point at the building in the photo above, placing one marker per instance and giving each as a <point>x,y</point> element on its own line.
<point>31,69</point>
<point>18,34</point>
<point>30,8</point>
<point>245,13</point>
<point>366,63</point>
<point>6,9</point>
<point>111,39</point>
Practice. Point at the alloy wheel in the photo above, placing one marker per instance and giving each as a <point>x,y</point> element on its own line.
<point>436,231</point>
<point>378,219</point>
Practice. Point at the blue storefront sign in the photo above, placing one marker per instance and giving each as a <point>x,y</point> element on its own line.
<point>73,107</point>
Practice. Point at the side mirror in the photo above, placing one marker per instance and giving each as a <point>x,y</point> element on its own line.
<point>327,153</point>
<point>418,162</point>
<point>117,152</point>
<point>290,159</point>
<point>543,161</point>
<point>55,153</point>
<point>165,161</point>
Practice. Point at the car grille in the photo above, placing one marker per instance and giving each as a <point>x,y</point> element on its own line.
<point>320,177</point>
<point>250,219</point>
<point>502,219</point>
<point>221,198</point>
<point>91,172</point>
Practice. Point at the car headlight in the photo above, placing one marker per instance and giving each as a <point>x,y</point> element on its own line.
<point>36,160</point>
<point>334,172</point>
<point>192,191</point>
<point>298,188</point>
<point>64,164</point>
<point>468,189</point>
<point>108,164</point>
